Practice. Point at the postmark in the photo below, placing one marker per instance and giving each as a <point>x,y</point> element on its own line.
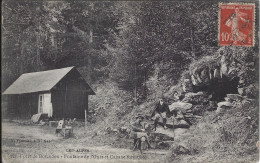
<point>236,24</point>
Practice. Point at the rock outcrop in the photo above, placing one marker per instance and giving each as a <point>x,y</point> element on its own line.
<point>228,71</point>
<point>187,85</point>
<point>196,98</point>
<point>224,104</point>
<point>183,106</point>
<point>179,150</point>
<point>234,97</point>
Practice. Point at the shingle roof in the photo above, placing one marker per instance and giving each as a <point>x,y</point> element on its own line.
<point>37,81</point>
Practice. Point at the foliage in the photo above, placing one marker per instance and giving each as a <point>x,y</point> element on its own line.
<point>234,134</point>
<point>127,42</point>
<point>111,104</point>
<point>46,35</point>
<point>205,62</point>
<point>244,60</point>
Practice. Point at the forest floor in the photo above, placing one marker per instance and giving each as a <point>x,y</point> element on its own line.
<point>28,143</point>
<point>31,143</point>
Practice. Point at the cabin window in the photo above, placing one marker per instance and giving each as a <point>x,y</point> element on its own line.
<point>40,104</point>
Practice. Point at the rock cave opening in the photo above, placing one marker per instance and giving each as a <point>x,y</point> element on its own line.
<point>220,87</point>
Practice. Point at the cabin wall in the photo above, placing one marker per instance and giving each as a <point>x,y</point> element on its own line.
<point>23,106</point>
<point>69,97</point>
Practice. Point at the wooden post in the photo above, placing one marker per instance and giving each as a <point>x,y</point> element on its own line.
<point>85,119</point>
<point>64,109</point>
<point>135,83</point>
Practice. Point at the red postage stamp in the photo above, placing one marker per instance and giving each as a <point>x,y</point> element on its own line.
<point>236,24</point>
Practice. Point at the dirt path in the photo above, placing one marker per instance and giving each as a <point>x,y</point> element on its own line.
<point>14,131</point>
<point>39,144</point>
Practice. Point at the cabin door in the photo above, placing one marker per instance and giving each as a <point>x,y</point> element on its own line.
<point>45,105</point>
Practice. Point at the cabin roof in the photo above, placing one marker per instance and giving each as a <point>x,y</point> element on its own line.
<point>39,81</point>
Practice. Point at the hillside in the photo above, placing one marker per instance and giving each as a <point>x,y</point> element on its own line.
<point>227,133</point>
<point>134,52</point>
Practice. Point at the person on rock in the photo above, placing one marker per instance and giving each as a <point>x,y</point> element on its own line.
<point>138,131</point>
<point>161,111</point>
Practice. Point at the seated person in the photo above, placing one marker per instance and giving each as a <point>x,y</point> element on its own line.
<point>161,111</point>
<point>138,131</point>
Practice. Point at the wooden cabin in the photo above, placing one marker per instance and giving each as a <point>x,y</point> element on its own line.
<point>61,93</point>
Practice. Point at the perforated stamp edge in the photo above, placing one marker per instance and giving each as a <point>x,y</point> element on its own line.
<point>253,28</point>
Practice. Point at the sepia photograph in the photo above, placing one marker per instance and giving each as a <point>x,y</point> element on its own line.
<point>130,81</point>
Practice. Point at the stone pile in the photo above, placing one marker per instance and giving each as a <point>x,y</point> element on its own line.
<point>179,150</point>
<point>196,98</point>
<point>230,101</point>
<point>187,111</point>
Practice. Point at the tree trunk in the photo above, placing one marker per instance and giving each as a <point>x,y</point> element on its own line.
<point>135,84</point>
<point>192,43</point>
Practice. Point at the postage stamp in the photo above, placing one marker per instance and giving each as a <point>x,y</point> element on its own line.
<point>236,24</point>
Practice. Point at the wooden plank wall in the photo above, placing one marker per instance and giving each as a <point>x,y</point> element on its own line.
<point>23,106</point>
<point>69,97</point>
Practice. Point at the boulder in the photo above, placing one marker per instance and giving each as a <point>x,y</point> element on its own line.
<point>217,73</point>
<point>181,124</point>
<point>176,122</point>
<point>194,80</point>
<point>179,115</point>
<point>220,110</point>
<point>195,98</point>
<point>212,106</point>
<point>198,78</point>
<point>224,69</point>
<point>235,97</point>
<point>228,99</point>
<point>179,150</point>
<point>251,91</point>
<point>163,145</point>
<point>224,104</point>
<point>195,94</point>
<point>157,136</point>
<point>180,105</point>
<point>232,71</point>
<point>204,76</point>
<point>115,130</point>
<point>241,91</point>
<point>198,110</point>
<point>188,111</point>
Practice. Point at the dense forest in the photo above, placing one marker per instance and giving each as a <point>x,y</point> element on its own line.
<point>132,53</point>
<point>144,48</point>
<point>127,42</point>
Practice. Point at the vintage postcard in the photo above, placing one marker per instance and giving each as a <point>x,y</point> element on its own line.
<point>130,81</point>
